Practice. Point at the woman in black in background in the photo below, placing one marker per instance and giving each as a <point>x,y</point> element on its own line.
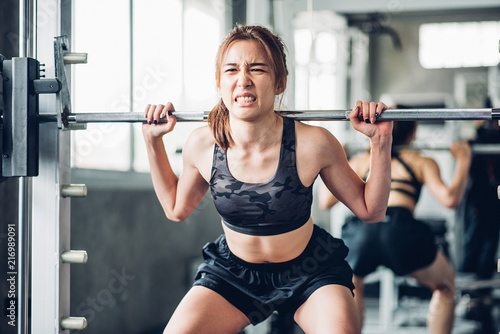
<point>400,242</point>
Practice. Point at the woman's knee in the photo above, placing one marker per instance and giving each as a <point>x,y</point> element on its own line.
<point>439,275</point>
<point>359,282</point>
<point>316,315</point>
<point>447,281</point>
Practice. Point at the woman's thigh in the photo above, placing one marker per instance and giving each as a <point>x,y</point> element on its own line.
<point>330,309</point>
<point>204,311</point>
<point>439,274</point>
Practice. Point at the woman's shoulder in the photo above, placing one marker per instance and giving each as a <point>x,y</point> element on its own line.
<point>314,134</point>
<point>419,162</point>
<point>200,138</point>
<point>202,133</point>
<point>316,145</point>
<point>414,156</point>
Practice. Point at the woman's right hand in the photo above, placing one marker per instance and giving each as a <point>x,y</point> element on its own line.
<point>364,119</point>
<point>152,128</point>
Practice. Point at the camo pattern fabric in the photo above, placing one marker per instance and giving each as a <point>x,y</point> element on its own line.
<point>277,206</point>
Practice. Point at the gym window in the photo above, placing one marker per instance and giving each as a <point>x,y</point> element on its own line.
<point>459,44</point>
<point>140,52</point>
<point>319,60</point>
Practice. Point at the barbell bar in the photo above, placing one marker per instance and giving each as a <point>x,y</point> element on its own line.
<point>20,155</point>
<point>313,115</point>
<point>302,115</point>
<point>476,148</point>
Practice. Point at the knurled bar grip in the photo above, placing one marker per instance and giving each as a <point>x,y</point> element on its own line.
<point>304,115</point>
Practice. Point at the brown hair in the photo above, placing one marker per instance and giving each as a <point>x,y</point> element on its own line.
<point>402,131</point>
<point>218,119</point>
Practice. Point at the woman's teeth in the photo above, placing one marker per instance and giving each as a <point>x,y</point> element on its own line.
<point>243,99</point>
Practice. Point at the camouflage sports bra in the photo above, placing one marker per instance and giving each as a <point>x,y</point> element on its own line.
<point>277,206</point>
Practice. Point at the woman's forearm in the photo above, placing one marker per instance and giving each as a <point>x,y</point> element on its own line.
<point>458,184</point>
<point>377,187</point>
<point>164,179</point>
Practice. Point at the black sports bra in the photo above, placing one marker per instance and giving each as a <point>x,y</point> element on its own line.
<point>277,206</point>
<point>413,182</point>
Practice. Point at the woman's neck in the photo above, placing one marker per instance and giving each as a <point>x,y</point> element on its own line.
<point>257,134</point>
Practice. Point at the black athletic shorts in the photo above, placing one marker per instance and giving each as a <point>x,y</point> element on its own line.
<point>259,289</point>
<point>400,243</point>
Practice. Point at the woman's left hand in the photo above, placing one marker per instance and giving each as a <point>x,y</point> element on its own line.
<point>364,119</point>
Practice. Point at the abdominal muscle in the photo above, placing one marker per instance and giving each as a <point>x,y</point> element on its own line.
<point>269,248</point>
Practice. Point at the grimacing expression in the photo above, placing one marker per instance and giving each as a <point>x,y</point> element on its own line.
<point>247,82</point>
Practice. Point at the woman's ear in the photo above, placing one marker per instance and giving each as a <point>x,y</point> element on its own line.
<point>280,88</point>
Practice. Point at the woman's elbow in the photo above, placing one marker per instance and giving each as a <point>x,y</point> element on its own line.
<point>175,217</point>
<point>450,200</point>
<point>451,203</point>
<point>374,217</point>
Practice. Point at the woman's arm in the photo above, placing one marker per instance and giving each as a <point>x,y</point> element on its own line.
<point>359,164</point>
<point>326,198</point>
<point>179,196</point>
<point>449,196</point>
<point>367,200</point>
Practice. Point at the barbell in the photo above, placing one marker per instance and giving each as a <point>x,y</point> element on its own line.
<point>476,148</point>
<point>20,157</point>
<point>418,114</point>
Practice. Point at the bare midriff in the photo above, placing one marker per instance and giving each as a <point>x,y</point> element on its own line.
<point>269,248</point>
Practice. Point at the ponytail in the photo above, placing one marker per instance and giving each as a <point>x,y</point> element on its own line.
<point>218,122</point>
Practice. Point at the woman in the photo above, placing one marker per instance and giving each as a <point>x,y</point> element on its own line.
<point>260,168</point>
<point>400,242</point>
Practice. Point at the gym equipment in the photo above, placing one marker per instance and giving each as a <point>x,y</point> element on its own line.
<point>301,115</point>
<point>20,137</point>
<point>19,108</point>
<point>475,148</point>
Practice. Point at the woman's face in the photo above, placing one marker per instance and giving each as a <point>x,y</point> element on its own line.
<point>247,83</point>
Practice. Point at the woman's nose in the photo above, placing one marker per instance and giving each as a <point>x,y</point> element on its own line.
<point>243,79</point>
